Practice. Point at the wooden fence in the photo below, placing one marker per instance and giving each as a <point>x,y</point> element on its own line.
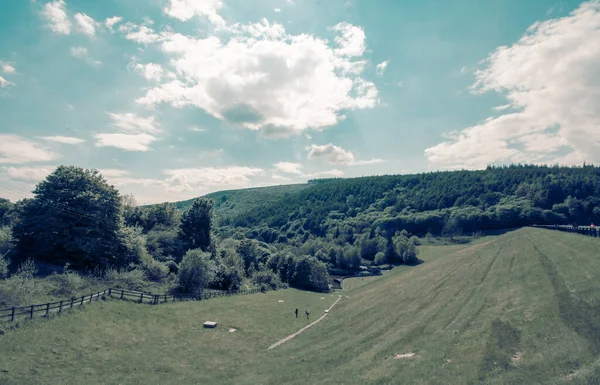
<point>583,230</point>
<point>11,314</point>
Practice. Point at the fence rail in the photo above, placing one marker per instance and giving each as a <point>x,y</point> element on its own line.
<point>11,314</point>
<point>583,230</point>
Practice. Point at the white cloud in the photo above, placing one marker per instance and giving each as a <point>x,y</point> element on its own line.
<point>331,153</point>
<point>266,79</point>
<point>351,41</point>
<point>111,21</point>
<point>15,149</point>
<point>28,174</point>
<point>131,122</point>
<point>85,24</point>
<point>83,54</point>
<point>280,178</point>
<point>56,15</point>
<point>463,70</point>
<point>197,129</point>
<point>63,139</point>
<point>7,68</point>
<point>366,162</point>
<point>5,83</point>
<point>139,132</point>
<point>140,34</point>
<point>288,167</point>
<point>500,108</point>
<point>551,77</point>
<point>189,179</point>
<point>113,173</point>
<point>129,142</point>
<point>184,10</point>
<point>277,10</point>
<point>150,71</point>
<point>400,84</point>
<point>335,173</point>
<point>381,67</point>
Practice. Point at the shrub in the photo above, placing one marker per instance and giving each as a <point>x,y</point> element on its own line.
<point>380,258</point>
<point>154,270</point>
<point>132,280</point>
<point>266,279</point>
<point>69,282</point>
<point>195,272</point>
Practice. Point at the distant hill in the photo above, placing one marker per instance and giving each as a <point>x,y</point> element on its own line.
<point>234,202</point>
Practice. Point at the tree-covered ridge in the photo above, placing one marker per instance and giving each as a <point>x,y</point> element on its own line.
<point>553,194</point>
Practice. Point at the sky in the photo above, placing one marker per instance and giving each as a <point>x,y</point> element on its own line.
<point>173,99</point>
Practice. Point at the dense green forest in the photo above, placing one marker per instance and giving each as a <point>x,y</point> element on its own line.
<point>281,235</point>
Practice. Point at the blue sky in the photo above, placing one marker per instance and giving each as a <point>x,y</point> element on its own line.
<point>172,99</point>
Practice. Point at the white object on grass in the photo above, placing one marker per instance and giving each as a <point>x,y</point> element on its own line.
<point>280,300</point>
<point>210,324</point>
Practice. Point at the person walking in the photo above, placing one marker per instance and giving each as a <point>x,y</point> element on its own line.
<point>306,314</point>
<point>296,313</point>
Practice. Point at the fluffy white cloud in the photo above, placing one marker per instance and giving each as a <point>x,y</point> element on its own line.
<point>381,67</point>
<point>266,79</point>
<point>55,14</point>
<point>7,68</point>
<point>131,122</point>
<point>28,174</point>
<point>129,142</point>
<point>139,132</point>
<point>63,139</point>
<point>551,78</point>
<point>83,54</point>
<point>335,173</point>
<point>280,178</point>
<point>189,179</point>
<point>197,129</point>
<point>150,71</point>
<point>184,10</point>
<point>5,83</point>
<point>501,108</point>
<point>366,162</point>
<point>277,10</point>
<point>288,167</point>
<point>140,34</point>
<point>111,21</point>
<point>85,24</point>
<point>15,149</point>
<point>331,153</point>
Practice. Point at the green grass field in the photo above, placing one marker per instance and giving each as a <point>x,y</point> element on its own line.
<point>518,308</point>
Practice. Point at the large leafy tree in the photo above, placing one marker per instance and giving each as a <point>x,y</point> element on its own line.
<point>195,225</point>
<point>75,216</point>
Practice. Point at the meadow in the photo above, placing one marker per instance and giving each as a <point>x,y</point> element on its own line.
<point>520,308</point>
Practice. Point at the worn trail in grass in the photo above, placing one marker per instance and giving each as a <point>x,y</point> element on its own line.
<point>516,308</point>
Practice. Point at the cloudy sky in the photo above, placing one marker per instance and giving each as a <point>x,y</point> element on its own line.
<point>172,99</point>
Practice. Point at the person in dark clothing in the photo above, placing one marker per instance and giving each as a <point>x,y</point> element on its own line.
<point>296,313</point>
<point>306,314</point>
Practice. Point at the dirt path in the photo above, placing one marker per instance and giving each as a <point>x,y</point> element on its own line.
<point>276,344</point>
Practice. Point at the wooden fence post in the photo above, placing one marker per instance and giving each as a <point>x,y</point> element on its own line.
<point>31,314</point>
<point>110,292</point>
<point>60,308</point>
<point>122,292</point>
<point>47,309</point>
<point>72,300</point>
<point>142,297</point>
<point>165,297</point>
<point>82,299</point>
<point>12,316</point>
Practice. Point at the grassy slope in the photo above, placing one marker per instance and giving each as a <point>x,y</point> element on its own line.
<point>239,201</point>
<point>466,312</point>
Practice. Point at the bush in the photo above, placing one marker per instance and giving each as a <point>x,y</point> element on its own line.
<point>69,282</point>
<point>154,270</point>
<point>195,272</point>
<point>267,279</point>
<point>132,280</point>
<point>380,258</point>
<point>20,288</point>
